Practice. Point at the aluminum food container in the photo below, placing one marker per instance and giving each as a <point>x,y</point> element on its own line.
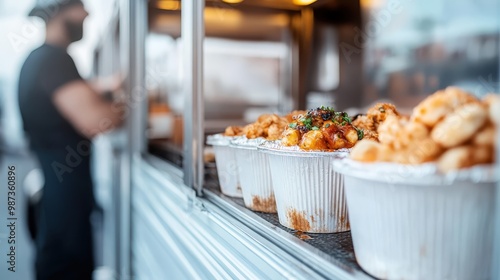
<point>226,165</point>
<point>255,175</point>
<point>309,192</point>
<point>410,222</point>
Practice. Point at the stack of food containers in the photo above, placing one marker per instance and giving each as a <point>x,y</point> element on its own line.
<point>420,190</point>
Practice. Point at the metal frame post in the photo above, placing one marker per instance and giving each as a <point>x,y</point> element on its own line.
<point>133,29</point>
<point>192,34</point>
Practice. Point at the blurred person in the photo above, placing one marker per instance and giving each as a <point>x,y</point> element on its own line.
<point>61,113</point>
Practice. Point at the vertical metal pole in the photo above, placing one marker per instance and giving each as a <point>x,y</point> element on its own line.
<point>495,270</point>
<point>123,195</point>
<point>133,28</point>
<point>193,32</point>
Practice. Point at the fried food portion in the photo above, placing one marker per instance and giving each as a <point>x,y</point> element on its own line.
<point>291,137</point>
<point>269,126</point>
<point>368,126</point>
<point>436,106</point>
<point>380,111</point>
<point>376,115</point>
<point>313,140</point>
<point>367,151</point>
<point>492,101</point>
<point>322,129</point>
<point>485,137</point>
<point>451,127</point>
<point>233,131</point>
<point>465,156</point>
<point>419,152</point>
<point>460,126</point>
<point>399,132</point>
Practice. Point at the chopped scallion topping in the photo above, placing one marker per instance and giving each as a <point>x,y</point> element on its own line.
<point>361,133</point>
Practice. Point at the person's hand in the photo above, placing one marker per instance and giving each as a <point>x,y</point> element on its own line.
<point>106,84</point>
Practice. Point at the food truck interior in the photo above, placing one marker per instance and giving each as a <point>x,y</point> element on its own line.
<point>256,57</point>
<point>195,77</point>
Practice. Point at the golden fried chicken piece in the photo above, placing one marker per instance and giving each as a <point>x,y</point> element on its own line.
<point>424,150</point>
<point>460,126</point>
<point>399,132</point>
<point>366,151</point>
<point>368,126</point>
<point>465,156</point>
<point>291,137</point>
<point>313,140</point>
<point>269,126</point>
<point>380,111</point>
<point>485,137</point>
<point>339,137</point>
<point>436,106</point>
<point>492,101</point>
<point>233,131</point>
<point>376,115</point>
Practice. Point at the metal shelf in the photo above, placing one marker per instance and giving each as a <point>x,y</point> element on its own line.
<point>332,255</point>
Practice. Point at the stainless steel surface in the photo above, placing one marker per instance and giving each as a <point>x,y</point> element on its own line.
<point>331,262</point>
<point>132,32</point>
<point>193,238</point>
<point>193,33</point>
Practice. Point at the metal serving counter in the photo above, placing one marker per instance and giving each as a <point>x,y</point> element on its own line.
<point>334,249</point>
<point>215,237</point>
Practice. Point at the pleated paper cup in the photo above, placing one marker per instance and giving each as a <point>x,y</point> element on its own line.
<point>309,192</point>
<point>410,222</point>
<point>255,175</point>
<point>226,165</point>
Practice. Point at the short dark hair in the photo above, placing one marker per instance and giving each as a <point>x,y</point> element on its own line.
<point>46,10</point>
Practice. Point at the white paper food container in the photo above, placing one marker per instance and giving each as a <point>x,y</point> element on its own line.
<point>226,165</point>
<point>255,175</point>
<point>410,222</point>
<point>309,193</point>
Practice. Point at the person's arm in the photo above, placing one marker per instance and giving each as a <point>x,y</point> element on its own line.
<point>85,109</point>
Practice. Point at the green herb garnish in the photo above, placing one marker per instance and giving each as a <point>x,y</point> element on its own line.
<point>346,119</point>
<point>308,123</point>
<point>292,125</point>
<point>327,125</point>
<point>315,128</point>
<point>361,133</point>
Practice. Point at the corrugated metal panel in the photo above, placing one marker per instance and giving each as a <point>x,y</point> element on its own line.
<point>174,235</point>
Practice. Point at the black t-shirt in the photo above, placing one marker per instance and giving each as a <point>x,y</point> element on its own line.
<point>45,70</point>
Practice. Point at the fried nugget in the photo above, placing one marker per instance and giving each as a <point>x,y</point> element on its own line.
<point>291,137</point>
<point>493,103</point>
<point>459,126</point>
<point>380,111</point>
<point>313,140</point>
<point>438,105</point>
<point>464,156</point>
<point>485,137</point>
<point>366,151</point>
<point>233,131</point>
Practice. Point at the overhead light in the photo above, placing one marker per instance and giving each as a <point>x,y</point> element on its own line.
<point>303,2</point>
<point>170,5</point>
<point>232,1</point>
